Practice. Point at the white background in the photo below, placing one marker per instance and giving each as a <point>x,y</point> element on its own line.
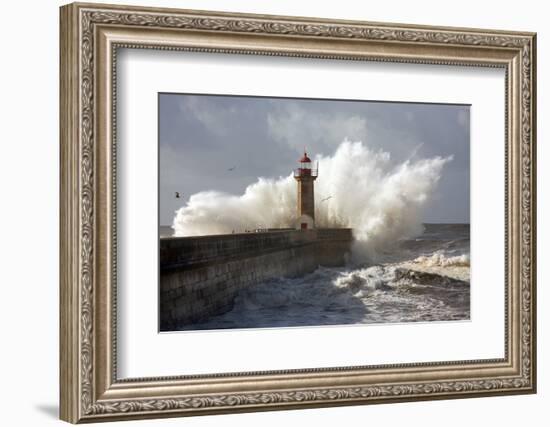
<point>145,353</point>
<point>29,227</point>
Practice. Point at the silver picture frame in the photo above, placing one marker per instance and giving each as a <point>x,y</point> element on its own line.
<point>90,37</point>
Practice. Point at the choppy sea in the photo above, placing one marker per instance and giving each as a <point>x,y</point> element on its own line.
<point>422,279</point>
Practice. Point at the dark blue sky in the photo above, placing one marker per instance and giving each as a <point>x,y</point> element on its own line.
<point>202,136</point>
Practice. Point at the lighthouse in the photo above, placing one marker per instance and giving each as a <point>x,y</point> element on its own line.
<point>305,176</point>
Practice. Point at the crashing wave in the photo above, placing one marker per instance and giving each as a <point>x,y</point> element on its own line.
<point>382,202</point>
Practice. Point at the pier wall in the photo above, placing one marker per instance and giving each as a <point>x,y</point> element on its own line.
<point>200,276</point>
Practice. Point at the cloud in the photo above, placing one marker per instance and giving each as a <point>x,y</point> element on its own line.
<point>317,131</point>
<point>214,117</point>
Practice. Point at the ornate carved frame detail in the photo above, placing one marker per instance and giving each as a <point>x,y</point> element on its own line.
<point>90,36</point>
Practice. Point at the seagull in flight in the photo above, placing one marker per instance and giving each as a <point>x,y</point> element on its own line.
<point>326,198</point>
<point>232,169</point>
<point>177,194</point>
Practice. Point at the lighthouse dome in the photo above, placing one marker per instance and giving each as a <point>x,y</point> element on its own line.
<point>305,158</point>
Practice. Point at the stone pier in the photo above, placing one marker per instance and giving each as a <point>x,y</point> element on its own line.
<point>200,276</point>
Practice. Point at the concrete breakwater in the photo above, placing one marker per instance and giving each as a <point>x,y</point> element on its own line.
<point>200,276</point>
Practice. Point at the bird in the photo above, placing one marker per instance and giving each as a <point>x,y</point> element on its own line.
<point>177,194</point>
<point>232,168</point>
<point>326,198</point>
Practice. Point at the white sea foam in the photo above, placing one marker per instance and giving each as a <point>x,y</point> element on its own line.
<point>382,201</point>
<point>439,259</point>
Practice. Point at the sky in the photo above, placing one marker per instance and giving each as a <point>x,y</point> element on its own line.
<point>202,137</point>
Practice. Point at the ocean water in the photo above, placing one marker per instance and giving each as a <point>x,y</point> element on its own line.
<point>420,279</point>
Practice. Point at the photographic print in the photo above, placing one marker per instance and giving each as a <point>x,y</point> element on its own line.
<point>286,212</point>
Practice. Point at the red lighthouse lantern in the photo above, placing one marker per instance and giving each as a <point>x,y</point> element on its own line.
<point>305,165</point>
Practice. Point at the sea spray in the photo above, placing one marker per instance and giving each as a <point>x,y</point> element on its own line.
<point>357,187</point>
<point>439,259</point>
